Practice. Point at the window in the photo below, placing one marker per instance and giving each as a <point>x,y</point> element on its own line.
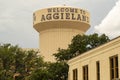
<point>98,70</point>
<point>75,74</point>
<point>114,67</point>
<point>85,72</point>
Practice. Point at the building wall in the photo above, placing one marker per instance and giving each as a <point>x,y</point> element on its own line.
<point>101,54</point>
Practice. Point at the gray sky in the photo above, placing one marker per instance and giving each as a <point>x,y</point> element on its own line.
<point>16,18</point>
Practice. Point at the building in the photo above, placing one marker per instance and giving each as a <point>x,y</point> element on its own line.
<point>100,63</point>
<point>57,26</point>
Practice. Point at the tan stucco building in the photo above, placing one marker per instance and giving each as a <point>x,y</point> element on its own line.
<point>57,26</point>
<point>100,63</point>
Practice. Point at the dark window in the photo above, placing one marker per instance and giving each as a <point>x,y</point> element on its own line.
<point>114,67</point>
<point>85,72</point>
<point>75,74</point>
<point>98,70</point>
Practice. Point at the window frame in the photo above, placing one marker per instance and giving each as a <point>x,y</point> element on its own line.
<point>75,74</point>
<point>85,72</point>
<point>98,70</point>
<point>114,67</point>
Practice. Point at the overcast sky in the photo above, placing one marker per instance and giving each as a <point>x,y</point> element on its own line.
<point>16,23</point>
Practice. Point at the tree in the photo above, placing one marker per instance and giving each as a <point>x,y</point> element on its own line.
<point>81,44</point>
<point>17,63</point>
<point>59,71</point>
<point>41,74</point>
<point>7,61</point>
<point>51,71</point>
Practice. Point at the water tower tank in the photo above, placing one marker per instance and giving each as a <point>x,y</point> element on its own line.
<point>57,26</point>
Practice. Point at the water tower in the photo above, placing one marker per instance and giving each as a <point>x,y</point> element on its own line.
<point>57,26</point>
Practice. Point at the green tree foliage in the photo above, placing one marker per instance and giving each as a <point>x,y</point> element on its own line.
<point>27,65</point>
<point>41,74</point>
<point>81,44</point>
<point>16,62</point>
<point>59,70</point>
<point>51,71</point>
